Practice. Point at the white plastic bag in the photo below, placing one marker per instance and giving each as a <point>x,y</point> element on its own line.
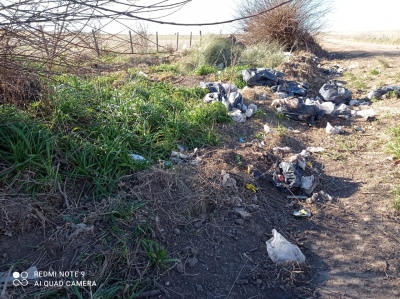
<point>281,250</point>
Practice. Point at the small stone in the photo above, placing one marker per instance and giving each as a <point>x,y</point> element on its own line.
<point>198,224</point>
<point>167,283</point>
<point>192,262</point>
<point>177,231</point>
<point>194,251</point>
<point>199,288</point>
<point>180,268</point>
<point>239,221</point>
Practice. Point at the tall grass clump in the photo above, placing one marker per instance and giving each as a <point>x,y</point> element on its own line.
<point>27,150</point>
<point>262,55</point>
<point>212,51</point>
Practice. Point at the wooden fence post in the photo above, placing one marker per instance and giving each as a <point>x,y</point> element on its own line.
<point>130,38</point>
<point>95,43</point>
<point>190,41</point>
<point>177,41</point>
<point>200,36</point>
<point>157,40</point>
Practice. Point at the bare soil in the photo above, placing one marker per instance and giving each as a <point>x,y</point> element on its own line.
<point>351,244</point>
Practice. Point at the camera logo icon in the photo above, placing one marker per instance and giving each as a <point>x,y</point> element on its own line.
<point>20,279</point>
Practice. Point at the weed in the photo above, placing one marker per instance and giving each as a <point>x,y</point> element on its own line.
<point>172,68</point>
<point>260,135</point>
<point>157,255</point>
<point>238,159</point>
<point>383,62</point>
<point>374,72</point>
<point>282,130</point>
<point>396,194</point>
<point>260,114</point>
<point>205,70</point>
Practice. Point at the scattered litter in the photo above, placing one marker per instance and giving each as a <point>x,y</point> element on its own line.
<point>142,74</point>
<point>81,228</point>
<point>137,157</point>
<point>354,103</point>
<point>227,180</point>
<point>241,140</point>
<point>242,213</point>
<point>378,93</point>
<point>267,129</point>
<point>320,196</point>
<point>308,184</point>
<point>261,77</point>
<point>297,109</point>
<point>182,148</point>
<point>315,149</point>
<point>280,250</point>
<point>359,129</point>
<point>328,107</point>
<point>251,187</point>
<point>287,176</point>
<point>302,213</point>
<point>364,113</point>
<point>333,130</point>
<point>179,155</point>
<point>237,116</point>
<point>251,109</point>
<point>333,91</point>
<point>281,95</point>
<point>281,150</point>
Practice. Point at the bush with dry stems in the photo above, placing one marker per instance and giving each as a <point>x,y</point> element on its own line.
<point>293,25</point>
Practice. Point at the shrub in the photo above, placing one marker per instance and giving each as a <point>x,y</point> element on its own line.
<point>292,25</point>
<point>205,70</point>
<point>213,50</point>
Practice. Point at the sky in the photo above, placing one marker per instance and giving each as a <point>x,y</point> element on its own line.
<point>346,15</point>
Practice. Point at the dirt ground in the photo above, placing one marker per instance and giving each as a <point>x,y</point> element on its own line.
<point>351,243</point>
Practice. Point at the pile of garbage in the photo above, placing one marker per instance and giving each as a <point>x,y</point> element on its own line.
<point>296,174</point>
<point>230,96</point>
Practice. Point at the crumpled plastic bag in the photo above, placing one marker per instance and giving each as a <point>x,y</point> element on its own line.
<point>334,92</point>
<point>281,250</point>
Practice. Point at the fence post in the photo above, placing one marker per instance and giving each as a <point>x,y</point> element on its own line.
<point>130,38</point>
<point>177,41</point>
<point>200,36</point>
<point>95,43</point>
<point>190,41</point>
<point>157,40</point>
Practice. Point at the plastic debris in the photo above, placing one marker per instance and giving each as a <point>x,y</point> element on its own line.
<point>333,91</point>
<point>251,187</point>
<point>364,113</point>
<point>242,213</point>
<point>308,184</point>
<point>319,197</point>
<point>354,103</point>
<point>267,129</point>
<point>333,130</point>
<point>137,157</point>
<point>237,116</point>
<point>227,180</point>
<point>315,149</point>
<point>241,140</point>
<point>280,250</point>
<point>281,150</point>
<point>302,213</point>
<point>378,93</point>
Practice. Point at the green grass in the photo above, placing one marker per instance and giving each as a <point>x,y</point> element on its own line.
<point>205,70</point>
<point>92,128</point>
<point>374,72</point>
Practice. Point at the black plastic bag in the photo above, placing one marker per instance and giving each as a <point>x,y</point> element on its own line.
<point>335,93</point>
<point>261,77</point>
<point>287,176</point>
